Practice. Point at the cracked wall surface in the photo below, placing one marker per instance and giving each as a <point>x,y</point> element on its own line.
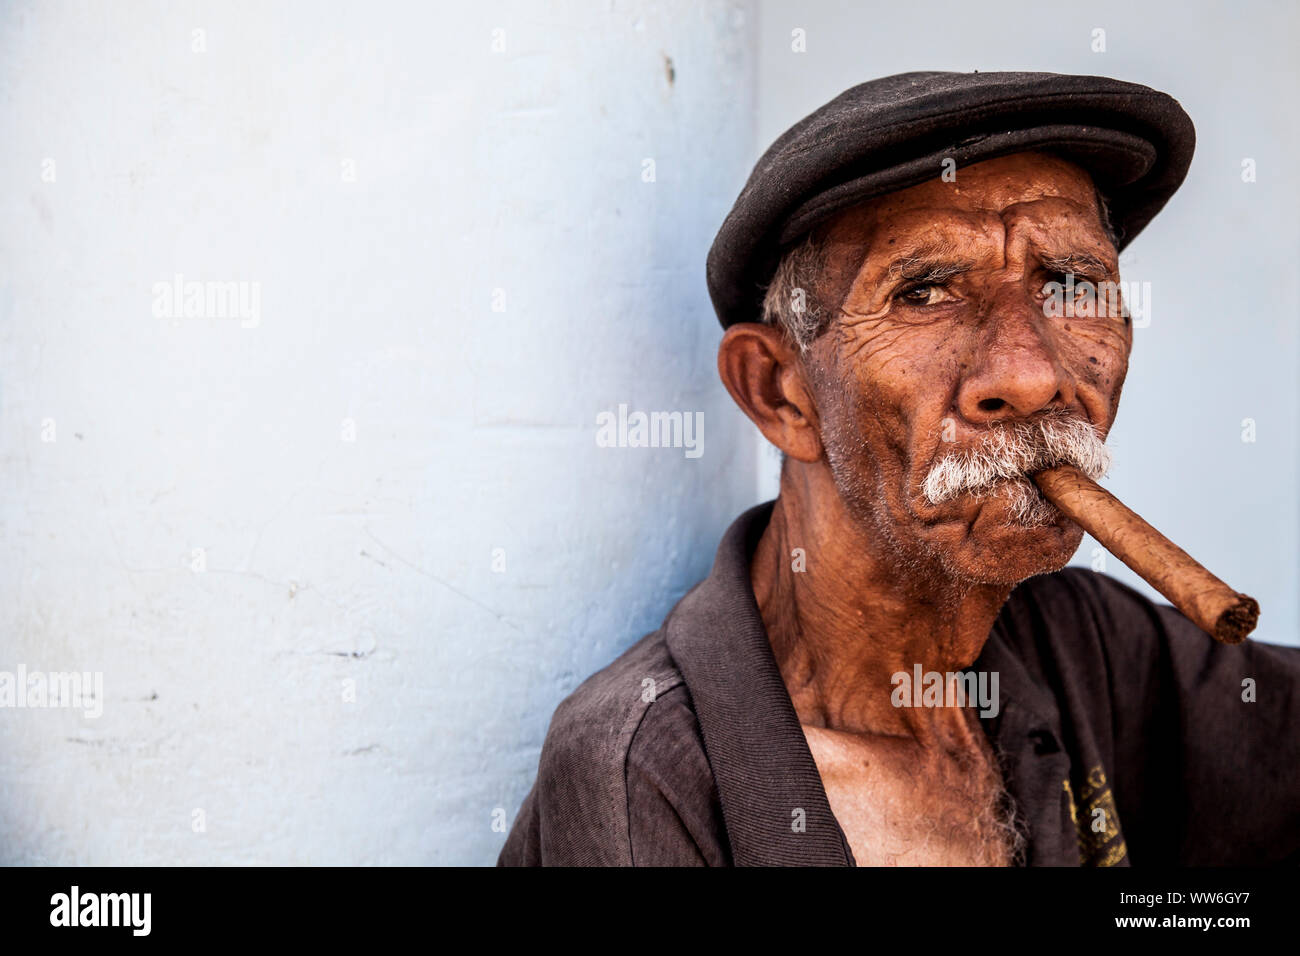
<point>338,561</point>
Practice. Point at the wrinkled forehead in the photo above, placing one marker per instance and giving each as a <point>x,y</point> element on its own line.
<point>995,185</point>
<point>1052,199</point>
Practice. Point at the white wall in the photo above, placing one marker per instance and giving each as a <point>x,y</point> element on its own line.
<point>1221,259</point>
<point>329,560</point>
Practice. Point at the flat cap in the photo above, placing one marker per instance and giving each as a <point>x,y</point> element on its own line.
<point>896,132</point>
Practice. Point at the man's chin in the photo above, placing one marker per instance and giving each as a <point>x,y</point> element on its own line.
<point>998,548</point>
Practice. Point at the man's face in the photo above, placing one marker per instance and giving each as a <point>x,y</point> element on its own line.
<point>943,337</point>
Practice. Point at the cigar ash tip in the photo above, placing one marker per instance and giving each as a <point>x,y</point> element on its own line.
<point>1237,621</point>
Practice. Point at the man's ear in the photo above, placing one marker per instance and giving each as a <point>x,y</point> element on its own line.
<point>763,373</point>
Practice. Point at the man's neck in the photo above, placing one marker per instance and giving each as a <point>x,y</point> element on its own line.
<point>844,615</point>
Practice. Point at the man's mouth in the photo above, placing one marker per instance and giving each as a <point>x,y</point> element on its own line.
<point>1024,504</point>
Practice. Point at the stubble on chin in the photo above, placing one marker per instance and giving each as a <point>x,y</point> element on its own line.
<point>861,486</point>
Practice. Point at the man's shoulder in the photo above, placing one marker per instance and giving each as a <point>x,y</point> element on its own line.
<point>630,721</point>
<point>611,703</point>
<point>636,709</point>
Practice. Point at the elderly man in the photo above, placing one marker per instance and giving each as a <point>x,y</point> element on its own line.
<point>890,284</point>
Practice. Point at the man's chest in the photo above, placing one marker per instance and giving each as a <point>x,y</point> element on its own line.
<point>898,810</point>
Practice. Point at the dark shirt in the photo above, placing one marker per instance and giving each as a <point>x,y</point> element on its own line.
<point>686,750</point>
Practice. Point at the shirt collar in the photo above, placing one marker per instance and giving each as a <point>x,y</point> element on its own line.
<point>772,797</point>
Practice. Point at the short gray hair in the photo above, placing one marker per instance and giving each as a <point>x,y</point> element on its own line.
<point>791,302</point>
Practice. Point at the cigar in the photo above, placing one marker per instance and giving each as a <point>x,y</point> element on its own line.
<point>1226,615</point>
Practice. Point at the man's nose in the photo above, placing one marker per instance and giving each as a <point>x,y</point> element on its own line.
<point>1017,369</point>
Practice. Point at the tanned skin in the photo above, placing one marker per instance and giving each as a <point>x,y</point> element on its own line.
<point>890,580</point>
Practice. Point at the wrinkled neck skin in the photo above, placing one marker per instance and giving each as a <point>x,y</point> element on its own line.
<point>853,618</point>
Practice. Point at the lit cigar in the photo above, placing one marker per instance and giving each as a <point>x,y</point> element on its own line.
<point>1227,615</point>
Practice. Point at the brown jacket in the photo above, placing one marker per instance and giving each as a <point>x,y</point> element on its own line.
<point>686,750</point>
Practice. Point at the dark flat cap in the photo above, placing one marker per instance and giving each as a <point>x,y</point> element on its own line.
<point>896,132</point>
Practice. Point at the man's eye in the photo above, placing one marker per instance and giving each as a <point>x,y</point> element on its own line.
<point>1079,286</point>
<point>923,293</point>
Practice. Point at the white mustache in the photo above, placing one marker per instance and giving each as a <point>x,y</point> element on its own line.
<point>1001,463</point>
